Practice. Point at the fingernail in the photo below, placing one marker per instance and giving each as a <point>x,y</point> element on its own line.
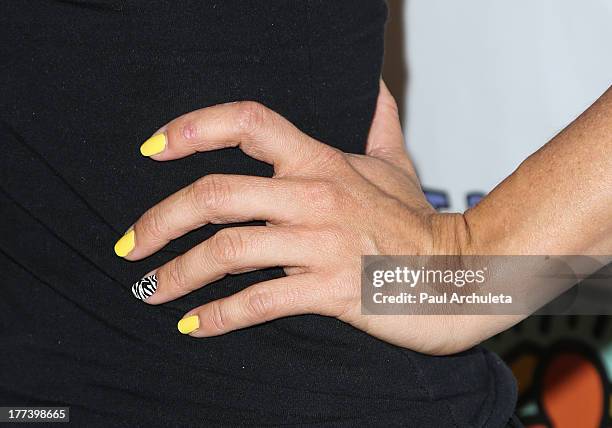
<point>189,324</point>
<point>145,288</point>
<point>154,145</point>
<point>125,244</point>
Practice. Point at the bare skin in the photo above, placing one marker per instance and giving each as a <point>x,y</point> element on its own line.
<point>559,201</point>
<point>324,209</point>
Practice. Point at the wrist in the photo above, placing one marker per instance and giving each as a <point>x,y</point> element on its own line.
<point>451,234</point>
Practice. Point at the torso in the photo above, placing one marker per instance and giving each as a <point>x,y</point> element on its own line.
<point>84,82</point>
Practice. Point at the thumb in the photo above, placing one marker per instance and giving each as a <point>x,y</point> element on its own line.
<point>386,140</point>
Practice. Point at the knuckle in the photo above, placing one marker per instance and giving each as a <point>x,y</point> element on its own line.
<point>324,195</point>
<point>330,157</point>
<point>341,295</point>
<point>210,193</point>
<point>227,247</point>
<point>155,224</point>
<point>345,289</point>
<point>189,132</point>
<point>260,305</point>
<point>174,275</point>
<point>251,116</point>
<point>336,240</point>
<point>218,318</point>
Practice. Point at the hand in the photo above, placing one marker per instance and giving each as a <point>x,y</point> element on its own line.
<point>323,208</point>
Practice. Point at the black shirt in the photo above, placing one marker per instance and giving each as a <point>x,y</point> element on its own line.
<point>83,83</point>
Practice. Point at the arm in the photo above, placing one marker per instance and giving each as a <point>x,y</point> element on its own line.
<point>559,201</point>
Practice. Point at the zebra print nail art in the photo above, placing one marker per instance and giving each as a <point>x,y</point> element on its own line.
<point>145,288</point>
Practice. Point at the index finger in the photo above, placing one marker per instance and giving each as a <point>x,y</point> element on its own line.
<point>258,131</point>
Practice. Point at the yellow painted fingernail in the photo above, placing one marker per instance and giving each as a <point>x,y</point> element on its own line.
<point>189,324</point>
<point>125,244</point>
<point>154,145</point>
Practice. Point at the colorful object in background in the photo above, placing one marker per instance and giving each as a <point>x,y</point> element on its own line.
<point>473,198</point>
<point>563,365</point>
<point>437,198</point>
<point>440,199</point>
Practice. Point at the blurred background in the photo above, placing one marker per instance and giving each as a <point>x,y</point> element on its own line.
<point>481,85</point>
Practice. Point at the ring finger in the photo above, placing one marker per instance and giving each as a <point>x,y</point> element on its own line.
<point>232,250</point>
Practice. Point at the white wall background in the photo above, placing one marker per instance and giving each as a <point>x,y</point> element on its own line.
<point>490,81</point>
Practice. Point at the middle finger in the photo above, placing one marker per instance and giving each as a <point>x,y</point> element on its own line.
<point>215,198</point>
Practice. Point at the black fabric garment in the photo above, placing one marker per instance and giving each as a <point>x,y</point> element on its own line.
<point>83,83</point>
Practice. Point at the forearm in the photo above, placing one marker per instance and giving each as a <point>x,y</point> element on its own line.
<point>559,200</point>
